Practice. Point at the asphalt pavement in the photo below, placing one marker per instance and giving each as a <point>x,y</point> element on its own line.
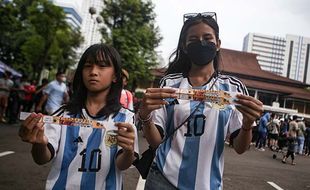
<point>252,170</point>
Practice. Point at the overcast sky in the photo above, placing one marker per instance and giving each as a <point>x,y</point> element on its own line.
<point>236,18</point>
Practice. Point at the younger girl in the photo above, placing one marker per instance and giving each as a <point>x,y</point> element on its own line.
<point>87,158</point>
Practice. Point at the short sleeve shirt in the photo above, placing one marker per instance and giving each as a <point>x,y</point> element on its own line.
<point>85,158</point>
<point>193,157</point>
<point>55,91</point>
<point>5,86</point>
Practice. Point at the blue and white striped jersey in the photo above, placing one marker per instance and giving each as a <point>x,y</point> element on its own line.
<point>193,157</point>
<point>85,158</point>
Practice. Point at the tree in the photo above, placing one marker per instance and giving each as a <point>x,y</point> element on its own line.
<point>129,26</point>
<point>39,38</point>
<point>10,23</point>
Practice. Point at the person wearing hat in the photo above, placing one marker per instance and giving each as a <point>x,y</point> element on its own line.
<point>126,96</point>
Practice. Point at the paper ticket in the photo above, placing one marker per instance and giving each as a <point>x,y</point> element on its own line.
<point>218,98</point>
<point>78,122</point>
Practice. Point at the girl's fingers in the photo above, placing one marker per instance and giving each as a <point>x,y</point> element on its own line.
<point>155,102</point>
<point>34,135</point>
<point>160,90</point>
<point>253,113</point>
<point>249,98</point>
<point>125,146</point>
<point>246,113</point>
<point>126,134</point>
<point>122,126</point>
<point>35,120</point>
<point>125,140</point>
<point>29,118</point>
<point>160,95</point>
<point>41,137</point>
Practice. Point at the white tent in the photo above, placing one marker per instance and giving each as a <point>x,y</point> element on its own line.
<point>4,67</point>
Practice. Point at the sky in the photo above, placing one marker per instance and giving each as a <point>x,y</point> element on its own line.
<point>236,18</point>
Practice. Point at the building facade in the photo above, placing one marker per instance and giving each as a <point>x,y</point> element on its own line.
<point>91,23</point>
<point>270,51</point>
<point>72,10</point>
<point>288,57</point>
<point>296,62</point>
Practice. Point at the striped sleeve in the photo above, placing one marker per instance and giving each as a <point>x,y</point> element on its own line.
<point>170,80</point>
<point>53,133</point>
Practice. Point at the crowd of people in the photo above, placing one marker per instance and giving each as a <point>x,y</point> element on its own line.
<point>18,94</point>
<point>289,133</point>
<point>21,94</point>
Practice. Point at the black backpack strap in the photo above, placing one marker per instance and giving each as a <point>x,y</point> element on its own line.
<point>59,111</point>
<point>186,120</point>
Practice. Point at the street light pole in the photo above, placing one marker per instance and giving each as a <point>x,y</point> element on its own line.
<point>92,11</point>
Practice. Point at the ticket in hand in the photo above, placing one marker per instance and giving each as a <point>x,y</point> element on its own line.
<point>218,98</point>
<point>78,122</point>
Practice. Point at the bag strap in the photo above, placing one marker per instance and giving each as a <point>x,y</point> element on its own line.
<point>186,120</point>
<point>59,111</point>
<point>192,114</point>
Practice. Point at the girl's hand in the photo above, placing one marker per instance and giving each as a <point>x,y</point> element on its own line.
<point>154,99</point>
<point>126,137</point>
<point>32,130</point>
<point>250,108</point>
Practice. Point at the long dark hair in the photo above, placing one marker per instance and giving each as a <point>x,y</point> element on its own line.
<point>180,61</point>
<point>110,56</point>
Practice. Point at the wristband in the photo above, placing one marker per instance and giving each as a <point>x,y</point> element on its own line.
<point>148,119</point>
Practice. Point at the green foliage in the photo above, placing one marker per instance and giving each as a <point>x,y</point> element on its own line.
<point>35,35</point>
<point>129,27</point>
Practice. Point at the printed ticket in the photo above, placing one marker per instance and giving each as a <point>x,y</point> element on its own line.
<point>79,122</point>
<point>219,98</point>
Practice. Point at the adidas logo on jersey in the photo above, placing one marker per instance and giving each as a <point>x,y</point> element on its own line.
<point>78,140</point>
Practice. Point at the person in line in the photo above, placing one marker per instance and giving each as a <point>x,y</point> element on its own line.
<point>283,133</point>
<point>192,155</point>
<point>55,94</point>
<point>307,141</point>
<point>5,88</point>
<point>262,132</point>
<point>291,144</point>
<point>126,97</point>
<point>29,90</point>
<point>301,136</point>
<point>85,157</point>
<point>274,126</point>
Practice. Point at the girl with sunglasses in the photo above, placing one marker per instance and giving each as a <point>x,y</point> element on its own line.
<point>191,157</point>
<point>87,158</point>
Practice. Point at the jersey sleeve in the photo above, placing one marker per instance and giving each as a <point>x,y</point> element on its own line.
<point>159,118</point>
<point>235,121</point>
<point>53,133</point>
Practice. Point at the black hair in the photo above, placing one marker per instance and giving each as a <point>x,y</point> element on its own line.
<point>60,73</point>
<point>181,62</point>
<point>8,73</point>
<point>44,81</point>
<point>92,54</point>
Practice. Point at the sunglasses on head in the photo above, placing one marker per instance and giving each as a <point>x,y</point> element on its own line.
<point>189,16</point>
